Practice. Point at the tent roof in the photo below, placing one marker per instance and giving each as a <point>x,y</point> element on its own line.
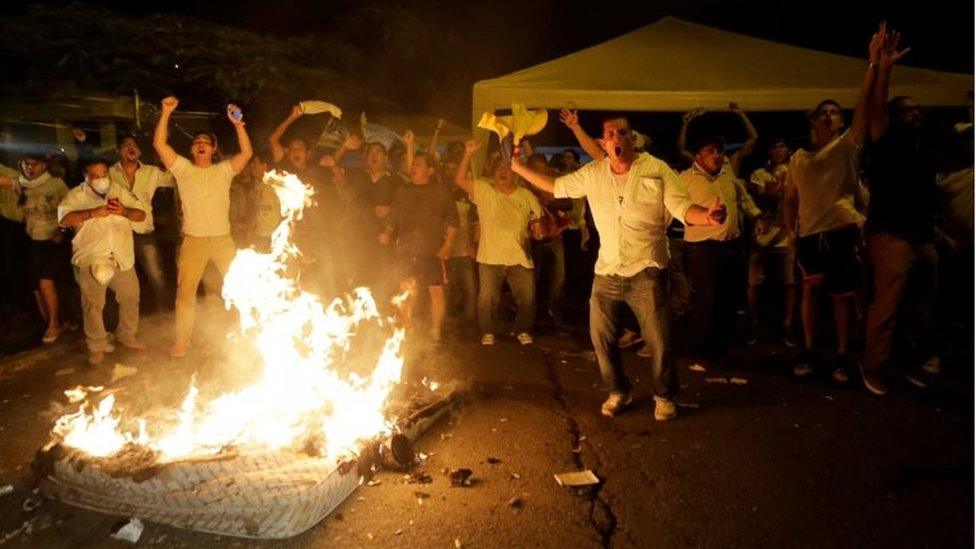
<point>675,65</point>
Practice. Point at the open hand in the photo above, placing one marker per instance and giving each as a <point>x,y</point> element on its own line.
<point>569,117</point>
<point>352,142</point>
<point>408,137</point>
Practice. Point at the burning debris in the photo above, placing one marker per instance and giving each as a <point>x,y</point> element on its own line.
<point>303,435</point>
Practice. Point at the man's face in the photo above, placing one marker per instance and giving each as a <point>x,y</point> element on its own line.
<point>569,161</point>
<point>503,173</point>
<point>129,150</point>
<point>539,165</point>
<point>711,158</point>
<point>96,171</point>
<point>828,119</point>
<point>420,172</point>
<point>909,114</point>
<point>618,140</point>
<point>298,153</point>
<point>376,158</point>
<point>257,167</point>
<point>203,148</point>
<point>448,170</point>
<point>779,153</point>
<point>33,168</point>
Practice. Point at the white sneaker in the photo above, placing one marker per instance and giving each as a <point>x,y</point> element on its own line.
<point>664,409</point>
<point>615,403</point>
<point>525,338</point>
<point>933,365</point>
<point>488,339</point>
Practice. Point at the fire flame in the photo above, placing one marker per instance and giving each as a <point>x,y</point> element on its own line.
<point>300,394</point>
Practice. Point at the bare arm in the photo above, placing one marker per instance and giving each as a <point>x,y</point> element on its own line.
<point>351,143</point>
<point>541,181</point>
<point>864,109</point>
<point>751,137</point>
<point>886,59</point>
<point>461,177</point>
<point>449,236</point>
<point>434,136</point>
<point>408,138</point>
<point>161,136</point>
<point>683,134</point>
<point>239,161</point>
<point>571,120</point>
<point>274,140</point>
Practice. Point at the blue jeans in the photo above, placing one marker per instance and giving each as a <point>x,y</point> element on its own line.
<point>522,283</point>
<point>151,265</point>
<point>550,260</point>
<point>462,286</point>
<point>644,293</point>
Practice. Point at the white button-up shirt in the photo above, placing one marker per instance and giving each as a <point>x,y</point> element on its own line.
<point>98,238</point>
<point>147,179</point>
<point>702,188</point>
<point>631,211</point>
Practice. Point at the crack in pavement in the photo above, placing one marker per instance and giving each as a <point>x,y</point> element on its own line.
<point>601,516</point>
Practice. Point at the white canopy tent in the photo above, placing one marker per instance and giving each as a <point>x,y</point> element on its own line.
<point>674,65</point>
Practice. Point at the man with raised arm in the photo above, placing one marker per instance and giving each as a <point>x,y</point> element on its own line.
<point>204,188</point>
<point>632,197</point>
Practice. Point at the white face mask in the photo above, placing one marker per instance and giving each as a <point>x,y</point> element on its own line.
<point>100,185</point>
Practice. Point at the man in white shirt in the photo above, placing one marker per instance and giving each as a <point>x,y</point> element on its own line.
<point>504,211</point>
<point>714,251</point>
<point>142,180</point>
<point>204,189</point>
<point>822,189</point>
<point>632,197</point>
<point>103,214</point>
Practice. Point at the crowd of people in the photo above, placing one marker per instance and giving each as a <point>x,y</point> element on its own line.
<point>851,216</point>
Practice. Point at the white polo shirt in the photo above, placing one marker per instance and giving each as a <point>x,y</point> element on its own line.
<point>631,211</point>
<point>205,195</point>
<point>147,179</point>
<point>826,182</point>
<point>108,237</point>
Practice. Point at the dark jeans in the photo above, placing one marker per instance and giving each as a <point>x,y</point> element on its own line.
<point>901,265</point>
<point>550,266</point>
<point>522,283</point>
<point>151,264</point>
<point>712,267</point>
<point>462,286</point>
<point>644,293</point>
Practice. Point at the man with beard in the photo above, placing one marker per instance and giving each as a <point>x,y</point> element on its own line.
<point>142,180</point>
<point>103,213</point>
<point>204,188</point>
<point>632,197</point>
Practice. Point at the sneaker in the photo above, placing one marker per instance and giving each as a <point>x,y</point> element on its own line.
<point>629,339</point>
<point>933,365</point>
<point>615,403</point>
<point>803,366</point>
<point>105,347</point>
<point>645,351</point>
<point>525,338</point>
<point>789,338</point>
<point>178,350</point>
<point>872,382</point>
<point>95,358</point>
<point>488,339</point>
<point>50,336</point>
<point>664,409</point>
<point>842,367</point>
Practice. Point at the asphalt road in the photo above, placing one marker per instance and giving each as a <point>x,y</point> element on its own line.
<point>772,462</point>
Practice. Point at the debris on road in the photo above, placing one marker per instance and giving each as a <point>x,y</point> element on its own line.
<point>30,504</point>
<point>130,530</point>
<point>697,368</point>
<point>457,543</point>
<point>6,489</point>
<point>493,460</point>
<point>460,477</point>
<point>376,482</point>
<point>739,381</point>
<point>64,372</point>
<point>577,478</point>
<point>120,372</point>
<point>516,502</point>
<point>26,528</point>
<point>398,532</point>
<point>418,477</point>
<point>515,476</point>
<point>716,380</point>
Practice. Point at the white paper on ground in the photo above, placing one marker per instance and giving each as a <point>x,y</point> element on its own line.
<point>577,478</point>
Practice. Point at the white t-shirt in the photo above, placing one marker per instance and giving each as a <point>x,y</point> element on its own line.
<point>41,199</point>
<point>826,182</point>
<point>631,224</point>
<point>147,179</point>
<point>504,224</point>
<point>97,238</point>
<point>205,195</point>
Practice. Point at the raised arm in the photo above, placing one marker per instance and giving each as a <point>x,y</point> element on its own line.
<point>683,133</point>
<point>274,140</point>
<point>886,58</point>
<point>434,136</point>
<point>408,140</point>
<point>864,108</point>
<point>161,136</point>
<point>751,137</point>
<point>461,177</point>
<point>541,181</point>
<point>239,161</point>
<point>571,120</point>
<point>352,142</point>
